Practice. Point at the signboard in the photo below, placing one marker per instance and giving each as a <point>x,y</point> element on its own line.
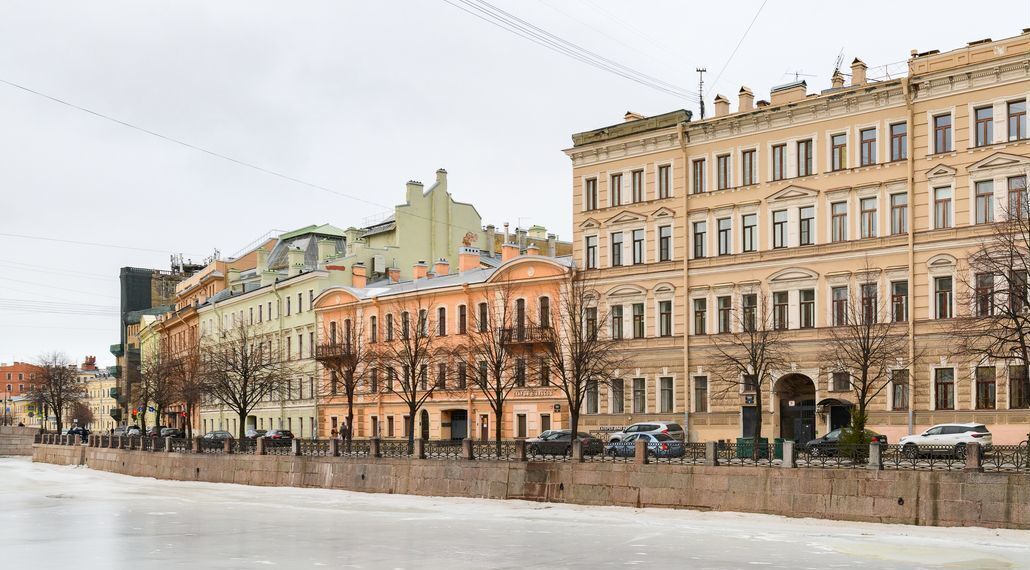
<point>557,407</point>
<point>749,399</point>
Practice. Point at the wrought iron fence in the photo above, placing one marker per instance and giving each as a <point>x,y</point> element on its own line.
<point>1004,458</point>
<point>38,438</point>
<point>442,449</point>
<point>356,448</point>
<point>745,453</point>
<point>487,450</point>
<point>211,446</point>
<point>394,448</point>
<point>244,446</point>
<point>278,446</point>
<point>181,445</point>
<point>924,457</point>
<point>837,456</point>
<point>537,452</point>
<point>315,447</point>
<point>688,454</point>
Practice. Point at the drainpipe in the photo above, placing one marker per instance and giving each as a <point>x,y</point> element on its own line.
<point>279,320</point>
<point>683,138</point>
<point>907,89</point>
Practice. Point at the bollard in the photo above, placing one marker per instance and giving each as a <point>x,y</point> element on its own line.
<point>374,450</point>
<point>789,460</point>
<point>168,445</point>
<point>226,445</point>
<point>195,445</point>
<point>974,457</point>
<point>640,452</point>
<point>520,450</point>
<point>259,446</point>
<point>334,447</point>
<point>875,457</point>
<point>711,453</point>
<point>466,449</point>
<point>577,450</point>
<point>420,449</point>
<point>295,446</point>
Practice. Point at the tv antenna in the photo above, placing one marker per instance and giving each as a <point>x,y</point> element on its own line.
<point>838,63</point>
<point>701,88</point>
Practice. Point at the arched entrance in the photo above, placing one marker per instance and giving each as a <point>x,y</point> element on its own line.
<point>425,424</point>
<point>795,394</point>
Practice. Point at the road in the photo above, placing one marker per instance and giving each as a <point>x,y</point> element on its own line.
<point>68,517</point>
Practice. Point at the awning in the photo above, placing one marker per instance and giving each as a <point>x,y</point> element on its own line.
<point>830,402</point>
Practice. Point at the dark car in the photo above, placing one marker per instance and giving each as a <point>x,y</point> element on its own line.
<point>79,431</point>
<point>154,431</point>
<point>255,433</point>
<point>658,445</point>
<point>829,444</point>
<point>218,435</point>
<point>172,432</point>
<point>559,442</point>
<point>278,434</point>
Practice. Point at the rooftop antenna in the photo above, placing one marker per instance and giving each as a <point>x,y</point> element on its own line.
<point>838,63</point>
<point>701,88</point>
<point>798,74</point>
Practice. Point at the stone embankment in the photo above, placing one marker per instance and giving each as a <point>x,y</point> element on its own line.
<point>15,440</point>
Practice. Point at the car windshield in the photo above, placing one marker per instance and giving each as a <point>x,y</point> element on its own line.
<point>835,434</point>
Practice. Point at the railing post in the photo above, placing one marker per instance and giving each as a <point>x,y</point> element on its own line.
<point>420,448</point>
<point>640,452</point>
<point>520,450</point>
<point>168,445</point>
<point>195,445</point>
<point>374,447</point>
<point>789,461</point>
<point>259,446</point>
<point>295,446</point>
<point>334,447</point>
<point>974,457</point>
<point>875,457</point>
<point>712,453</point>
<point>466,449</point>
<point>577,450</point>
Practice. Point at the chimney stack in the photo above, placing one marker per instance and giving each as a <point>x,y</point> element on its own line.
<point>468,258</point>
<point>393,274</point>
<point>359,276</point>
<point>837,81</point>
<point>509,251</point>
<point>745,100</point>
<point>552,245</point>
<point>858,72</point>
<point>420,270</point>
<point>262,260</point>
<point>234,276</point>
<point>491,233</point>
<point>413,191</point>
<point>631,116</point>
<point>294,261</point>
<point>268,277</point>
<point>441,267</point>
<point>722,106</point>
<point>326,251</point>
<point>533,249</point>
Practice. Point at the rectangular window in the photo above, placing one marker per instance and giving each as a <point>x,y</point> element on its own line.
<point>867,154</point>
<point>441,321</point>
<point>899,389</point>
<point>942,133</point>
<point>700,230</point>
<point>664,243</point>
<point>750,383</point>
<point>698,175</point>
<point>665,318</point>
<point>942,207</point>
<point>591,194</point>
<point>749,305</point>
<point>441,376</point>
<point>590,322</point>
<point>591,397</point>
<point>839,221</point>
<point>544,366</point>
<point>984,294</point>
<point>722,178</point>
<point>840,305</point>
<point>899,141</point>
<point>839,152</point>
<point>288,306</point>
<point>389,426</point>
<point>725,305</point>
<point>616,246</point>
<point>639,396</point>
<point>618,396</point>
<point>984,201</point>
<point>638,185</point>
<point>544,310</point>
<point>841,381</point>
<point>779,161</point>
<point>806,225</point>
<point>807,298</point>
<point>484,317</point>
<point>899,301</point>
<point>781,308</point>
<point>986,388</point>
<point>700,393</point>
<point>638,320</point>
<point>615,190</point>
<point>638,247</point>
<point>867,207</point>
<point>725,227</point>
<point>521,429</point>
<point>870,304</point>
<point>805,158</point>
<point>1018,205</point>
<point>462,319</point>
<point>463,375</point>
<point>899,214</point>
<point>666,395</point>
<point>1017,120</point>
<point>747,165</point>
<point>1019,388</point>
<point>260,313</point>
<point>700,316</point>
<point>1017,292</point>
<point>984,126</point>
<point>749,232</point>
<point>616,311</point>
<point>520,373</point>
<point>779,223</point>
<point>944,388</point>
<point>942,296</point>
<point>591,252</point>
<point>664,181</point>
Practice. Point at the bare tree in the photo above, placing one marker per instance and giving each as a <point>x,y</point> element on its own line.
<point>347,357</point>
<point>242,370</point>
<point>57,387</point>
<point>157,383</point>
<point>747,358</point>
<point>189,381</point>
<point>577,349</point>
<point>81,414</point>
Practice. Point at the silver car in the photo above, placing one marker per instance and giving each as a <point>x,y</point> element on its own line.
<point>946,438</point>
<point>652,428</point>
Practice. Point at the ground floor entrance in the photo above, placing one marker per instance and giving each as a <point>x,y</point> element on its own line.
<point>795,394</point>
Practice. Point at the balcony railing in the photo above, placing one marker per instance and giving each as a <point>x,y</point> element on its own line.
<point>526,335</point>
<point>334,350</point>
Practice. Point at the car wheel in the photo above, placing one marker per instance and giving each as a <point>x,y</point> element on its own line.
<point>815,451</point>
<point>910,451</point>
<point>960,451</point>
<point>613,453</point>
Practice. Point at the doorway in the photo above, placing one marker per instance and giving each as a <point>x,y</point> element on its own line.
<point>425,424</point>
<point>459,424</point>
<point>484,427</point>
<point>796,396</point>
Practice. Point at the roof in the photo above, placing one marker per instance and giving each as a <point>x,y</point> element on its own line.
<point>324,230</point>
<point>133,317</point>
<point>627,128</point>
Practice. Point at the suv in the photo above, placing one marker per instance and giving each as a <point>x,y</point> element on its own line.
<point>172,432</point>
<point>672,430</point>
<point>946,438</point>
<point>219,435</point>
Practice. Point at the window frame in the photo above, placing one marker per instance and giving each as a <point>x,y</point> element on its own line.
<point>867,146</point>
<point>838,152</point>
<point>942,134</point>
<point>778,158</point>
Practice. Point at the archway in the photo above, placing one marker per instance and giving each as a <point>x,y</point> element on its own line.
<point>796,396</point>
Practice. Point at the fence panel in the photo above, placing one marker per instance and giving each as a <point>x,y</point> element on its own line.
<point>442,449</point>
<point>315,447</point>
<point>394,448</point>
<point>278,446</point>
<point>356,448</point>
<point>924,457</point>
<point>838,456</point>
<point>487,450</point>
<point>1007,458</point>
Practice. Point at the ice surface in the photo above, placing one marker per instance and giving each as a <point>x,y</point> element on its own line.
<point>69,517</point>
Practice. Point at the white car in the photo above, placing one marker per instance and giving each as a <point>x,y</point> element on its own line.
<point>946,439</point>
<point>652,428</point>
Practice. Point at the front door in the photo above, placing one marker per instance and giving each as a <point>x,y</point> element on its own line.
<point>804,429</point>
<point>840,416</point>
<point>459,424</point>
<point>425,424</point>
<point>484,427</point>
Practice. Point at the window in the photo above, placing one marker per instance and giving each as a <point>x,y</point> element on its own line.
<point>984,294</point>
<point>638,320</point>
<point>638,247</point>
<point>942,133</point>
<point>300,302</point>
<point>462,319</point>
<point>867,152</point>
<point>749,304</point>
<point>779,229</point>
<point>616,311</point>
<point>984,201</point>
<point>725,227</point>
<point>520,318</point>
<point>700,229</point>
<point>639,396</point>
<point>780,310</point>
<point>942,296</point>
<point>722,178</point>
<point>260,313</point>
<point>899,301</point>
<point>590,322</point>
<point>1017,291</point>
<point>616,245</point>
<point>942,207</point>
<point>899,214</point>
<point>700,316</point>
<point>544,366</point>
<point>839,152</point>
<point>986,388</point>
<point>1019,388</point>
<point>544,308</point>
<point>899,141</point>
<point>725,306</point>
<point>839,221</point>
<point>807,298</point>
<point>750,383</point>
<point>638,185</point>
<point>899,391</point>
<point>288,306</point>
<point>441,321</point>
<point>405,325</point>
<point>484,318</point>
<point>618,396</point>
<point>869,303</point>
<point>423,322</point>
<point>747,165</point>
<point>700,393</point>
<point>591,397</point>
<point>462,375</point>
<point>591,252</point>
<point>1017,120</point>
<point>615,191</point>
<point>984,126</point>
<point>441,376</point>
<point>374,380</point>
<point>665,318</point>
<point>666,395</point>
<point>806,225</point>
<point>805,158</point>
<point>779,160</point>
<point>289,348</point>
<point>749,230</point>
<point>664,180</point>
<point>664,243</point>
<point>483,372</point>
<point>698,174</point>
<point>867,207</point>
<point>389,327</point>
<point>840,305</point>
<point>841,381</point>
<point>1018,206</point>
<point>944,388</point>
<point>591,193</point>
<point>520,372</point>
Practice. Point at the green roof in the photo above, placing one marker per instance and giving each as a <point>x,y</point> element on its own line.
<point>324,229</point>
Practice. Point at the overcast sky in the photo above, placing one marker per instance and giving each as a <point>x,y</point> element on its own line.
<point>355,96</point>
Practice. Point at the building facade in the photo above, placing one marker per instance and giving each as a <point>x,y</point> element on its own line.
<point>96,387</point>
<point>16,380</point>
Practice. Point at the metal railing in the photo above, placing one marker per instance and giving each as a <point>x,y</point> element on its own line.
<point>745,453</point>
<point>487,450</point>
<point>356,448</point>
<point>690,453</point>
<point>394,448</point>
<point>924,457</point>
<point>278,446</point>
<point>244,446</point>
<point>211,446</point>
<point>1007,458</point>
<point>442,449</point>
<point>315,447</point>
<point>837,456</point>
<point>181,445</point>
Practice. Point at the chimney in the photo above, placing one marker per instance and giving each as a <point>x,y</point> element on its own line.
<point>420,270</point>
<point>532,249</point>
<point>837,81</point>
<point>491,233</point>
<point>326,250</point>
<point>393,274</point>
<point>520,238</point>
<point>234,275</point>
<point>745,100</point>
<point>506,236</point>
<point>509,251</point>
<point>722,106</point>
<point>857,72</point>
<point>441,178</point>
<point>552,245</point>
<point>359,277</point>
<point>789,93</point>
<point>468,258</point>
<point>294,261</point>
<point>262,260</point>
<point>441,267</point>
<point>268,277</point>
<point>631,116</point>
<point>413,191</point>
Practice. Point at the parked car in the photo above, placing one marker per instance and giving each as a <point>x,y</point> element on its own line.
<point>133,431</point>
<point>118,432</point>
<point>559,442</point>
<point>278,434</point>
<point>172,432</point>
<point>255,433</point>
<point>218,435</point>
<point>658,445</point>
<point>949,439</point>
<point>668,428</point>
<point>828,444</point>
<point>154,431</point>
<point>79,431</point>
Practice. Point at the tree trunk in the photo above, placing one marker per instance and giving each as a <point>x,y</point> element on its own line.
<point>755,443</point>
<point>243,425</point>
<point>498,412</point>
<point>411,429</point>
<point>573,423</point>
<point>350,422</point>
<point>189,421</point>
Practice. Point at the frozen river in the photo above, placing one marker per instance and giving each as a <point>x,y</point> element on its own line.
<point>67,517</point>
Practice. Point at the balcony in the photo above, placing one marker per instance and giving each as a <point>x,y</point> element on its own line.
<point>115,372</point>
<point>527,335</point>
<point>117,350</point>
<point>116,414</point>
<point>334,351</point>
<point>113,393</point>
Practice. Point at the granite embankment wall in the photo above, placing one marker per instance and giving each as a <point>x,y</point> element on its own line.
<point>15,440</point>
<point>954,498</point>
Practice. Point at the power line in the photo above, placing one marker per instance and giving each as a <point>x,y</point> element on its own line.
<point>77,242</point>
<point>734,52</point>
<point>58,287</point>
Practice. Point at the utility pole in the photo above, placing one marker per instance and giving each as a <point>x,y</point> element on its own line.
<point>701,89</point>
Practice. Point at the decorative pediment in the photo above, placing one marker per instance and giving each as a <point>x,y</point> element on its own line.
<point>793,192</point>
<point>941,171</point>
<point>941,260</point>
<point>792,274</point>
<point>999,160</point>
<point>664,288</point>
<point>662,212</point>
<point>626,291</point>
<point>625,217</point>
<point>590,223</point>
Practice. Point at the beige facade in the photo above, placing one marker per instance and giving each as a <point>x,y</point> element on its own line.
<point>792,200</point>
